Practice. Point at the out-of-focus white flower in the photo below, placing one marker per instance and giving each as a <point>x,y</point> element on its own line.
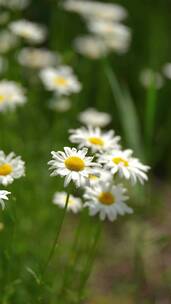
<point>125,165</point>
<point>149,77</point>
<point>104,28</point>
<point>90,46</point>
<point>74,203</point>
<point>61,104</point>
<point>167,70</point>
<point>11,167</point>
<point>99,174</point>
<point>96,10</point>
<point>94,118</point>
<point>115,36</point>
<point>37,58</point>
<point>72,164</point>
<point>95,139</point>
<point>3,196</point>
<point>106,199</point>
<point>61,80</point>
<point>103,20</point>
<point>8,41</point>
<point>11,95</point>
<point>15,4</point>
<point>30,31</point>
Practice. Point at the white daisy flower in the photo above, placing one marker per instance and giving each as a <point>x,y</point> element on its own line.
<point>72,164</point>
<point>96,10</point>
<point>107,200</point>
<point>11,167</point>
<point>37,58</point>
<point>3,196</point>
<point>74,203</point>
<point>99,174</point>
<point>125,165</point>
<point>61,104</point>
<point>94,118</point>
<point>167,70</point>
<point>28,30</point>
<point>62,80</point>
<point>109,28</point>
<point>149,77</point>
<point>95,139</point>
<point>8,41</point>
<point>90,46</point>
<point>11,95</point>
<point>118,44</point>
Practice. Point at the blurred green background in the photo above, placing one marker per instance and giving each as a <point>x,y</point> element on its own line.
<point>133,264</point>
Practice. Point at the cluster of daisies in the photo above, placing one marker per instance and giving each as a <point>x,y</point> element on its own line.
<point>56,77</point>
<point>11,167</point>
<point>100,175</point>
<point>103,20</point>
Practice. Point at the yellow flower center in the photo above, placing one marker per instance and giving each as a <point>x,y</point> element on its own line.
<point>61,81</point>
<point>1,98</point>
<point>74,163</point>
<point>120,160</point>
<point>92,177</point>
<point>96,141</point>
<point>5,169</point>
<point>106,198</point>
<point>71,202</point>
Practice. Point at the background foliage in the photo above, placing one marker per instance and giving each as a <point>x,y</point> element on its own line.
<point>133,263</point>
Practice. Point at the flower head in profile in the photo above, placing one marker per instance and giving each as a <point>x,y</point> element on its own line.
<point>95,139</point>
<point>115,36</point>
<point>37,58</point>
<point>60,104</point>
<point>125,165</point>
<point>149,78</point>
<point>30,31</point>
<point>72,164</point>
<point>3,197</point>
<point>61,80</point>
<point>11,167</point>
<point>94,118</point>
<point>97,175</point>
<point>11,95</point>
<point>90,46</point>
<point>107,200</point>
<point>74,203</point>
<point>167,70</point>
<point>96,10</point>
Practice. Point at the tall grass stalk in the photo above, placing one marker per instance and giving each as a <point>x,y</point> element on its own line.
<point>126,110</point>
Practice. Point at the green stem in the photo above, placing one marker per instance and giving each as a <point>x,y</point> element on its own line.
<point>72,257</point>
<point>75,257</point>
<point>59,227</point>
<point>90,261</point>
